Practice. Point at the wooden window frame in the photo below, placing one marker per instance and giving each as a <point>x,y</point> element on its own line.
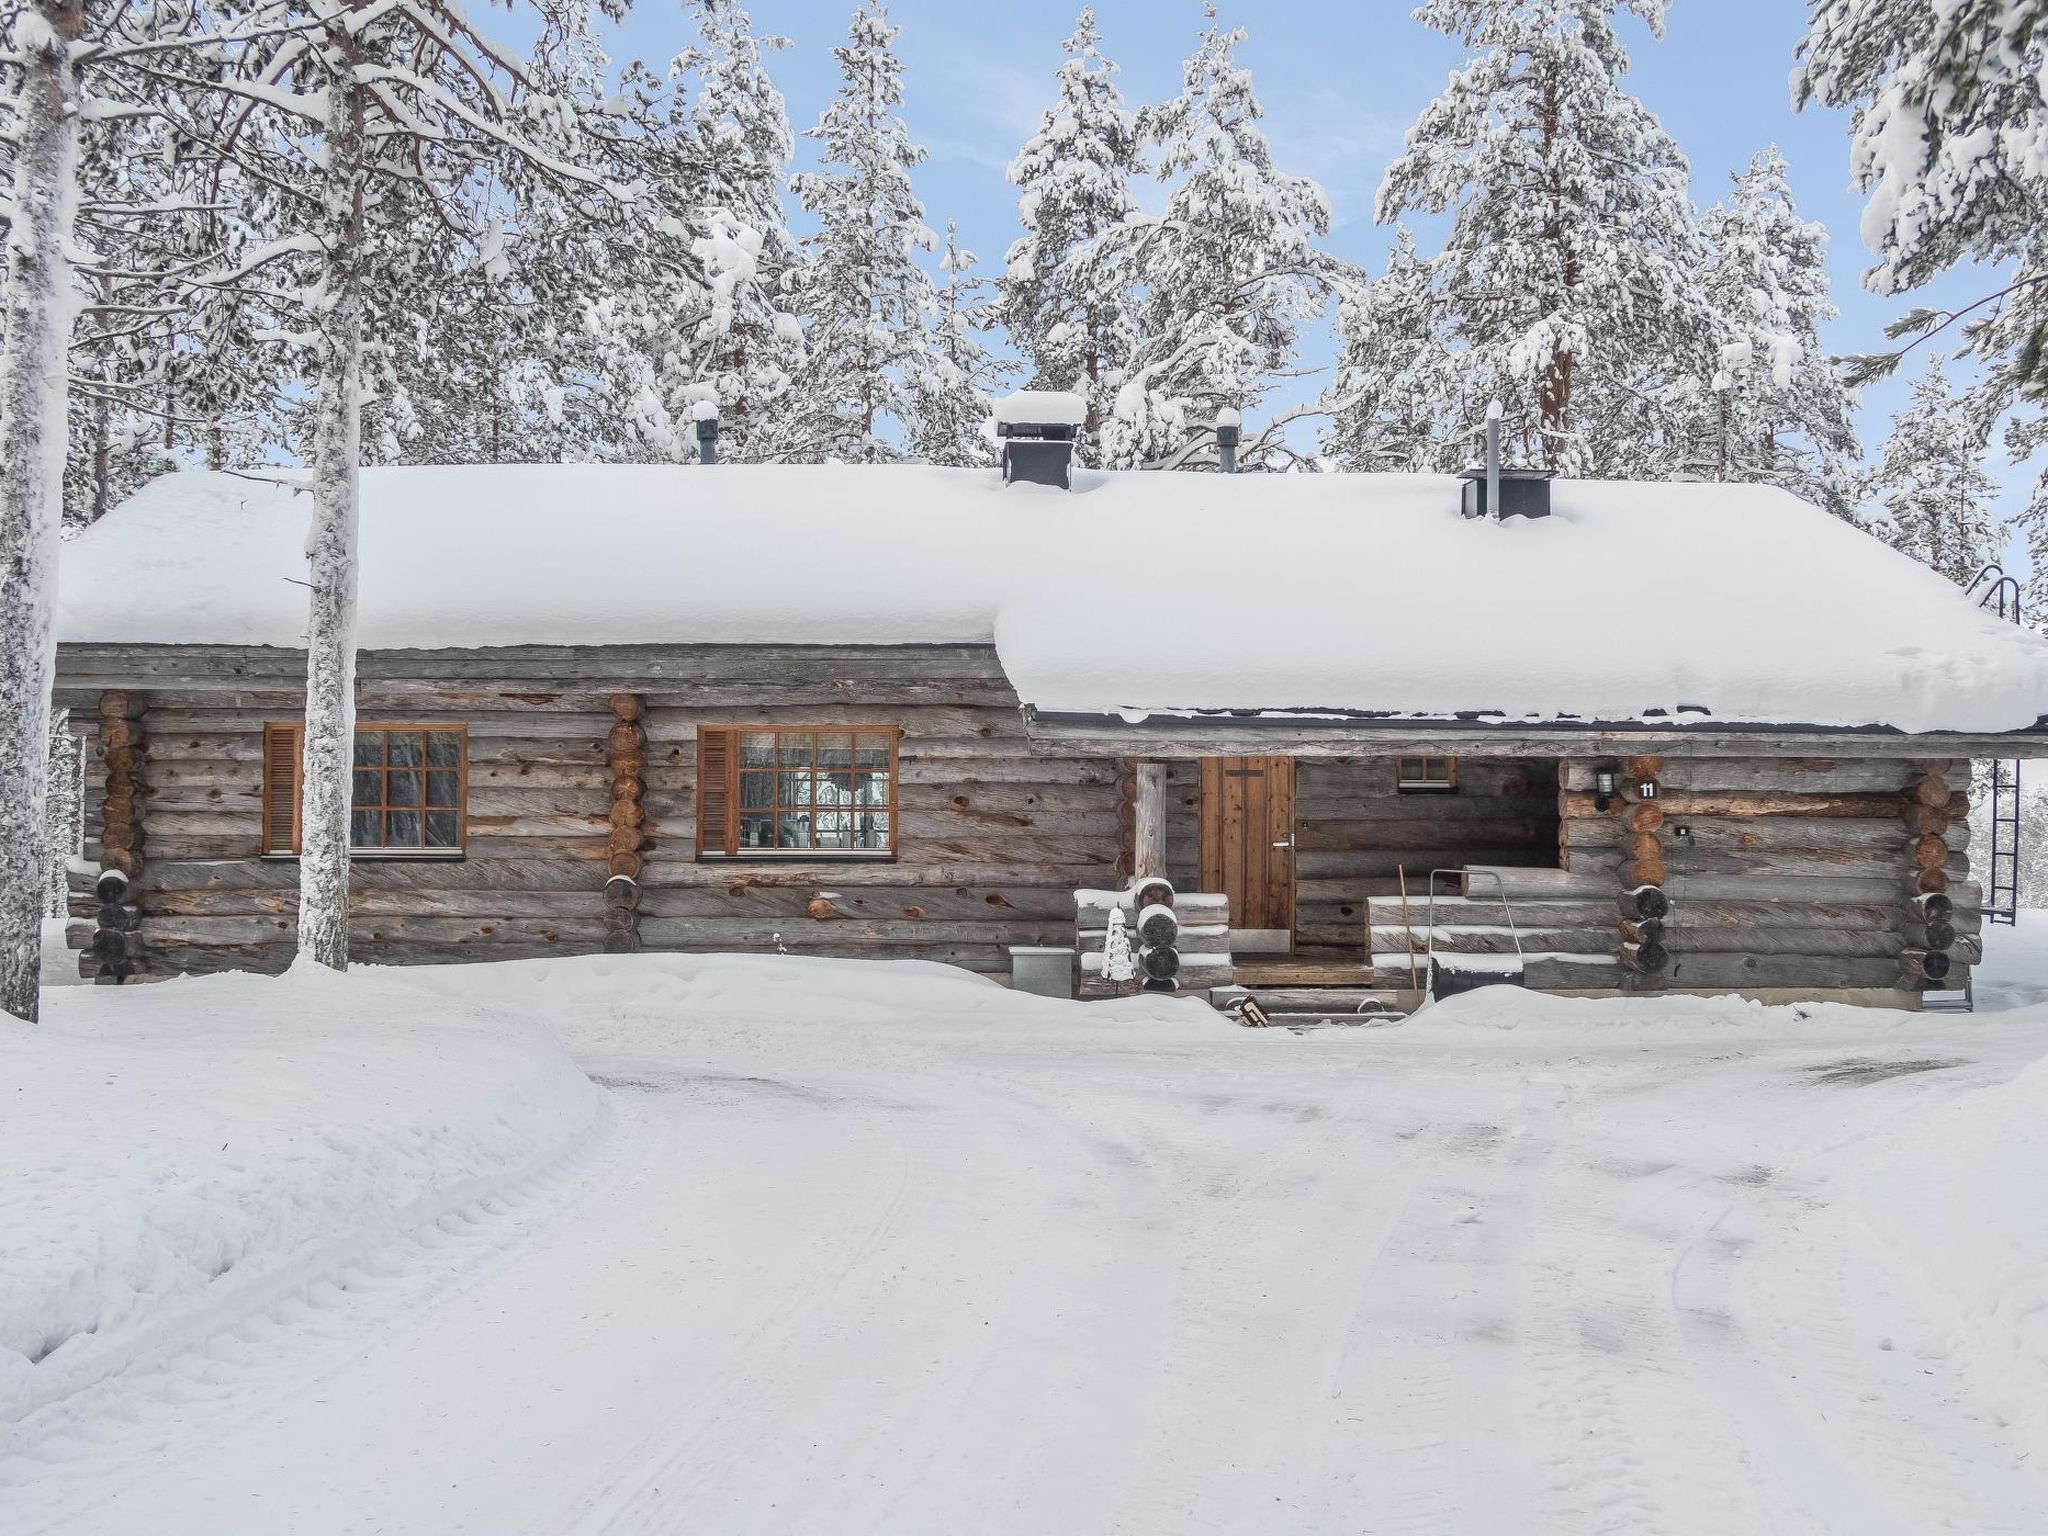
<point>725,848</point>
<point>296,730</point>
<point>1424,783</point>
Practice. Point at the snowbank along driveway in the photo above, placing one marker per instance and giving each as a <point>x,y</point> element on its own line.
<point>779,1246</point>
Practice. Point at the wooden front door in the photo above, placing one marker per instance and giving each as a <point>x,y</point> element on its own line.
<point>1248,838</point>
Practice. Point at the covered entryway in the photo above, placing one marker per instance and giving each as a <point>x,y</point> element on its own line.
<point>1247,819</point>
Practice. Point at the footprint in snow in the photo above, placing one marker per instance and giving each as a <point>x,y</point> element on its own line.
<point>1464,1215</point>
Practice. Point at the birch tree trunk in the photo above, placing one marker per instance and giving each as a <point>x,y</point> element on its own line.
<point>326,768</point>
<point>39,308</point>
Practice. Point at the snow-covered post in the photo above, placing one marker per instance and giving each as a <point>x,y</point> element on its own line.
<point>33,441</point>
<point>328,764</point>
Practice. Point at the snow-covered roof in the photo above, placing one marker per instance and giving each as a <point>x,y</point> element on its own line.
<point>1132,593</point>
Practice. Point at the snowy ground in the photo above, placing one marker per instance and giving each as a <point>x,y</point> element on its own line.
<point>817,1247</point>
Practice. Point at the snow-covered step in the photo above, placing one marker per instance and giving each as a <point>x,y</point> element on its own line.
<point>1384,1003</point>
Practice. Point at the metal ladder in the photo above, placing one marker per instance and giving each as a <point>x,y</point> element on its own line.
<point>2001,594</point>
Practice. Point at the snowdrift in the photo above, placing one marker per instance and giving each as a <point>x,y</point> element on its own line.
<point>173,1150</point>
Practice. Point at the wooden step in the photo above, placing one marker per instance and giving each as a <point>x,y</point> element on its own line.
<point>1323,1002</point>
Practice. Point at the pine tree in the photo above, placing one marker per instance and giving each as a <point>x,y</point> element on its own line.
<point>865,300</point>
<point>753,341</point>
<point>1931,487</point>
<point>1230,272</point>
<point>1568,283</point>
<point>1780,414</point>
<point>1392,405</point>
<point>1074,328</point>
<point>1949,136</point>
<point>953,406</point>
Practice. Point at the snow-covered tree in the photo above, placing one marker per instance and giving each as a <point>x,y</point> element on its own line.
<point>752,339</point>
<point>1777,411</point>
<point>865,300</point>
<point>1118,964</point>
<point>355,125</point>
<point>1929,485</point>
<point>1395,399</point>
<point>1569,281</point>
<point>953,406</point>
<point>1949,136</point>
<point>1229,272</point>
<point>43,109</point>
<point>1075,322</point>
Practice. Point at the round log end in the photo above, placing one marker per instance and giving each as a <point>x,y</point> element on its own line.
<point>1152,892</point>
<point>1161,964</point>
<point>1933,792</point>
<point>821,908</point>
<point>1932,880</point>
<point>1647,872</point>
<point>1647,901</point>
<point>1647,816</point>
<point>626,706</point>
<point>1644,767</point>
<point>1649,957</point>
<point>626,862</point>
<point>1930,852</point>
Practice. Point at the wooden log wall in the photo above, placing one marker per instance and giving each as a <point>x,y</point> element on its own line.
<point>992,842</point>
<point>1778,872</point>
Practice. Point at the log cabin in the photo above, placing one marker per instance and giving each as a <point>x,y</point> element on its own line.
<point>1679,737</point>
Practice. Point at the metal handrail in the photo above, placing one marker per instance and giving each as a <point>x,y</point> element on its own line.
<point>1501,893</point>
<point>2004,590</point>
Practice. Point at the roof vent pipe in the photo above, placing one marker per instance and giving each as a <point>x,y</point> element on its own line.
<point>707,431</point>
<point>1493,509</point>
<point>1229,429</point>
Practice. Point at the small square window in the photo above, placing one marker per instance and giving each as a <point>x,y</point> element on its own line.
<point>1427,775</point>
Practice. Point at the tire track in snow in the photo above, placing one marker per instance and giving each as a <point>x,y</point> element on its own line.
<point>189,1384</point>
<point>710,1428</point>
<point>1625,1443</point>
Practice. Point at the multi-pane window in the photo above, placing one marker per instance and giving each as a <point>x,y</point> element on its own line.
<point>1427,775</point>
<point>408,790</point>
<point>407,795</point>
<point>795,793</point>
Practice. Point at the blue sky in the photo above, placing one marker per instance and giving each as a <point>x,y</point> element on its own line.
<point>1340,83</point>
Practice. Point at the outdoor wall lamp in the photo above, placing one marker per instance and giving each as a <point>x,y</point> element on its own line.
<point>1603,787</point>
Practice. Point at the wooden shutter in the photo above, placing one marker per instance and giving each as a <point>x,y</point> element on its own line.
<point>716,750</point>
<point>280,789</point>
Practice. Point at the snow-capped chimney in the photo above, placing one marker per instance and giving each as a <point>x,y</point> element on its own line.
<point>1229,428</point>
<point>706,414</point>
<point>1038,428</point>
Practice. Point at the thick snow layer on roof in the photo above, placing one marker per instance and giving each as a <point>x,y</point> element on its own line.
<point>1701,602</point>
<point>1041,407</point>
<point>554,554</point>
<point>1134,593</point>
